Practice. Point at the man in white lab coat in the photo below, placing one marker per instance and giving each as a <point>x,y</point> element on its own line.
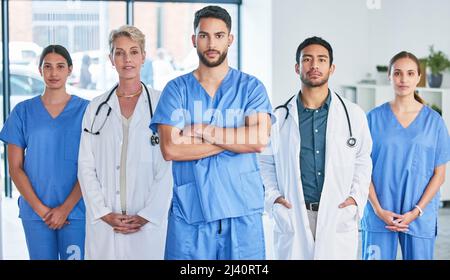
<point>317,170</point>
<point>125,181</point>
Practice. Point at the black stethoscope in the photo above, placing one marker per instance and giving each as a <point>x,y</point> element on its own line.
<point>154,139</point>
<point>351,141</point>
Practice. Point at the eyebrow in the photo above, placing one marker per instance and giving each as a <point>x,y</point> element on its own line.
<point>320,55</point>
<point>217,33</point>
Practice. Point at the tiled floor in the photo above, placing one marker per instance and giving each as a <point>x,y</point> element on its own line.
<point>14,246</point>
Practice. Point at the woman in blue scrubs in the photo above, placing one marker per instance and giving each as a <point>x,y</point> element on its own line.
<point>411,147</point>
<point>43,135</point>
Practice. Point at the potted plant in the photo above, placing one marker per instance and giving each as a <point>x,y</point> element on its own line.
<point>437,62</point>
<point>382,75</point>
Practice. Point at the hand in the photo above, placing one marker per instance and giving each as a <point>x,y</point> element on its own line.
<point>117,222</point>
<point>406,219</point>
<point>42,211</point>
<point>392,220</point>
<point>349,201</point>
<point>56,218</point>
<point>281,200</point>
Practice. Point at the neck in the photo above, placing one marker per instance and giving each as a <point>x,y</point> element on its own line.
<point>55,96</point>
<point>128,87</point>
<point>405,103</point>
<point>314,97</point>
<point>205,73</point>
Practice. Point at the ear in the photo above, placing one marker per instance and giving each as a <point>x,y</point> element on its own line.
<point>297,68</point>
<point>193,41</point>
<point>230,39</point>
<point>70,69</point>
<point>332,68</point>
<point>40,71</point>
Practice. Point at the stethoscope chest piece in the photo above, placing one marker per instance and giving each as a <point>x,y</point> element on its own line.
<point>154,140</point>
<point>351,142</point>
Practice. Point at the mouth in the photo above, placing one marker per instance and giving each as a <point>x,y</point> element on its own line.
<point>314,75</point>
<point>128,67</point>
<point>211,54</point>
<point>403,87</point>
<point>53,81</point>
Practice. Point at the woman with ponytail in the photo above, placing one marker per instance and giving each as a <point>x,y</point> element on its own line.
<point>411,147</point>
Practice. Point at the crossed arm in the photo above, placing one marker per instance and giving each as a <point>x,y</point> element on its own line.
<point>200,140</point>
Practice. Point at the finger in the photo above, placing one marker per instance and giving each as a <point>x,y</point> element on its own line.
<point>397,216</point>
<point>343,204</point>
<point>286,204</point>
<point>391,228</point>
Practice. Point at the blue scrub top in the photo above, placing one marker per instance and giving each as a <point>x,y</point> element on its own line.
<point>404,160</point>
<point>227,184</point>
<point>51,151</point>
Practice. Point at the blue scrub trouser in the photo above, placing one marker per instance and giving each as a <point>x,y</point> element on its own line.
<point>383,246</point>
<point>240,238</point>
<point>44,243</point>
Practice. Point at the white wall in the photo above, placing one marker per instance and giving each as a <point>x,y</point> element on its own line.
<point>362,36</point>
<point>411,25</point>
<point>256,40</point>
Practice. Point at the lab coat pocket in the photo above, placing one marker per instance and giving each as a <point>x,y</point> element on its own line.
<point>347,219</point>
<point>188,203</point>
<point>282,217</point>
<point>253,189</point>
<point>71,145</point>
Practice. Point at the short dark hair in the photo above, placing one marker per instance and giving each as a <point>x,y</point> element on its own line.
<point>314,41</point>
<point>55,49</point>
<point>212,12</point>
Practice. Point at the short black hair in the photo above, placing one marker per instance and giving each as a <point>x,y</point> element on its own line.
<point>55,49</point>
<point>212,12</point>
<point>314,41</point>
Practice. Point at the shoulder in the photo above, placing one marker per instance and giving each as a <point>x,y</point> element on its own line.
<point>26,104</point>
<point>352,108</point>
<point>94,103</point>
<point>80,101</point>
<point>377,111</point>
<point>434,116</point>
<point>154,95</point>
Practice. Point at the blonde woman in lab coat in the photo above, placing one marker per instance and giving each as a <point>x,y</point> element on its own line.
<point>126,183</point>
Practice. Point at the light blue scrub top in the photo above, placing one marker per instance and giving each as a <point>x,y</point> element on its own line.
<point>51,151</point>
<point>227,184</point>
<point>404,160</point>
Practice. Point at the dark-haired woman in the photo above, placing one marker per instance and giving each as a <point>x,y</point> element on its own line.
<point>411,147</point>
<point>43,135</point>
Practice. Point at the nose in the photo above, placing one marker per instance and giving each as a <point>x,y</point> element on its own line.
<point>314,64</point>
<point>127,57</point>
<point>211,43</point>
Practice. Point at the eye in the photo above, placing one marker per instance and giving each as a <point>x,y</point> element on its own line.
<point>46,66</point>
<point>134,52</point>
<point>396,74</point>
<point>202,36</point>
<point>306,59</point>
<point>118,53</point>
<point>220,36</point>
<point>322,60</point>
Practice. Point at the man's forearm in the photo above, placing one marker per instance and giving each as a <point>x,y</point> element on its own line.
<point>246,139</point>
<point>189,148</point>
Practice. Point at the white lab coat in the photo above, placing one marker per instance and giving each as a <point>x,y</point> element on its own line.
<point>149,182</point>
<point>347,173</point>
